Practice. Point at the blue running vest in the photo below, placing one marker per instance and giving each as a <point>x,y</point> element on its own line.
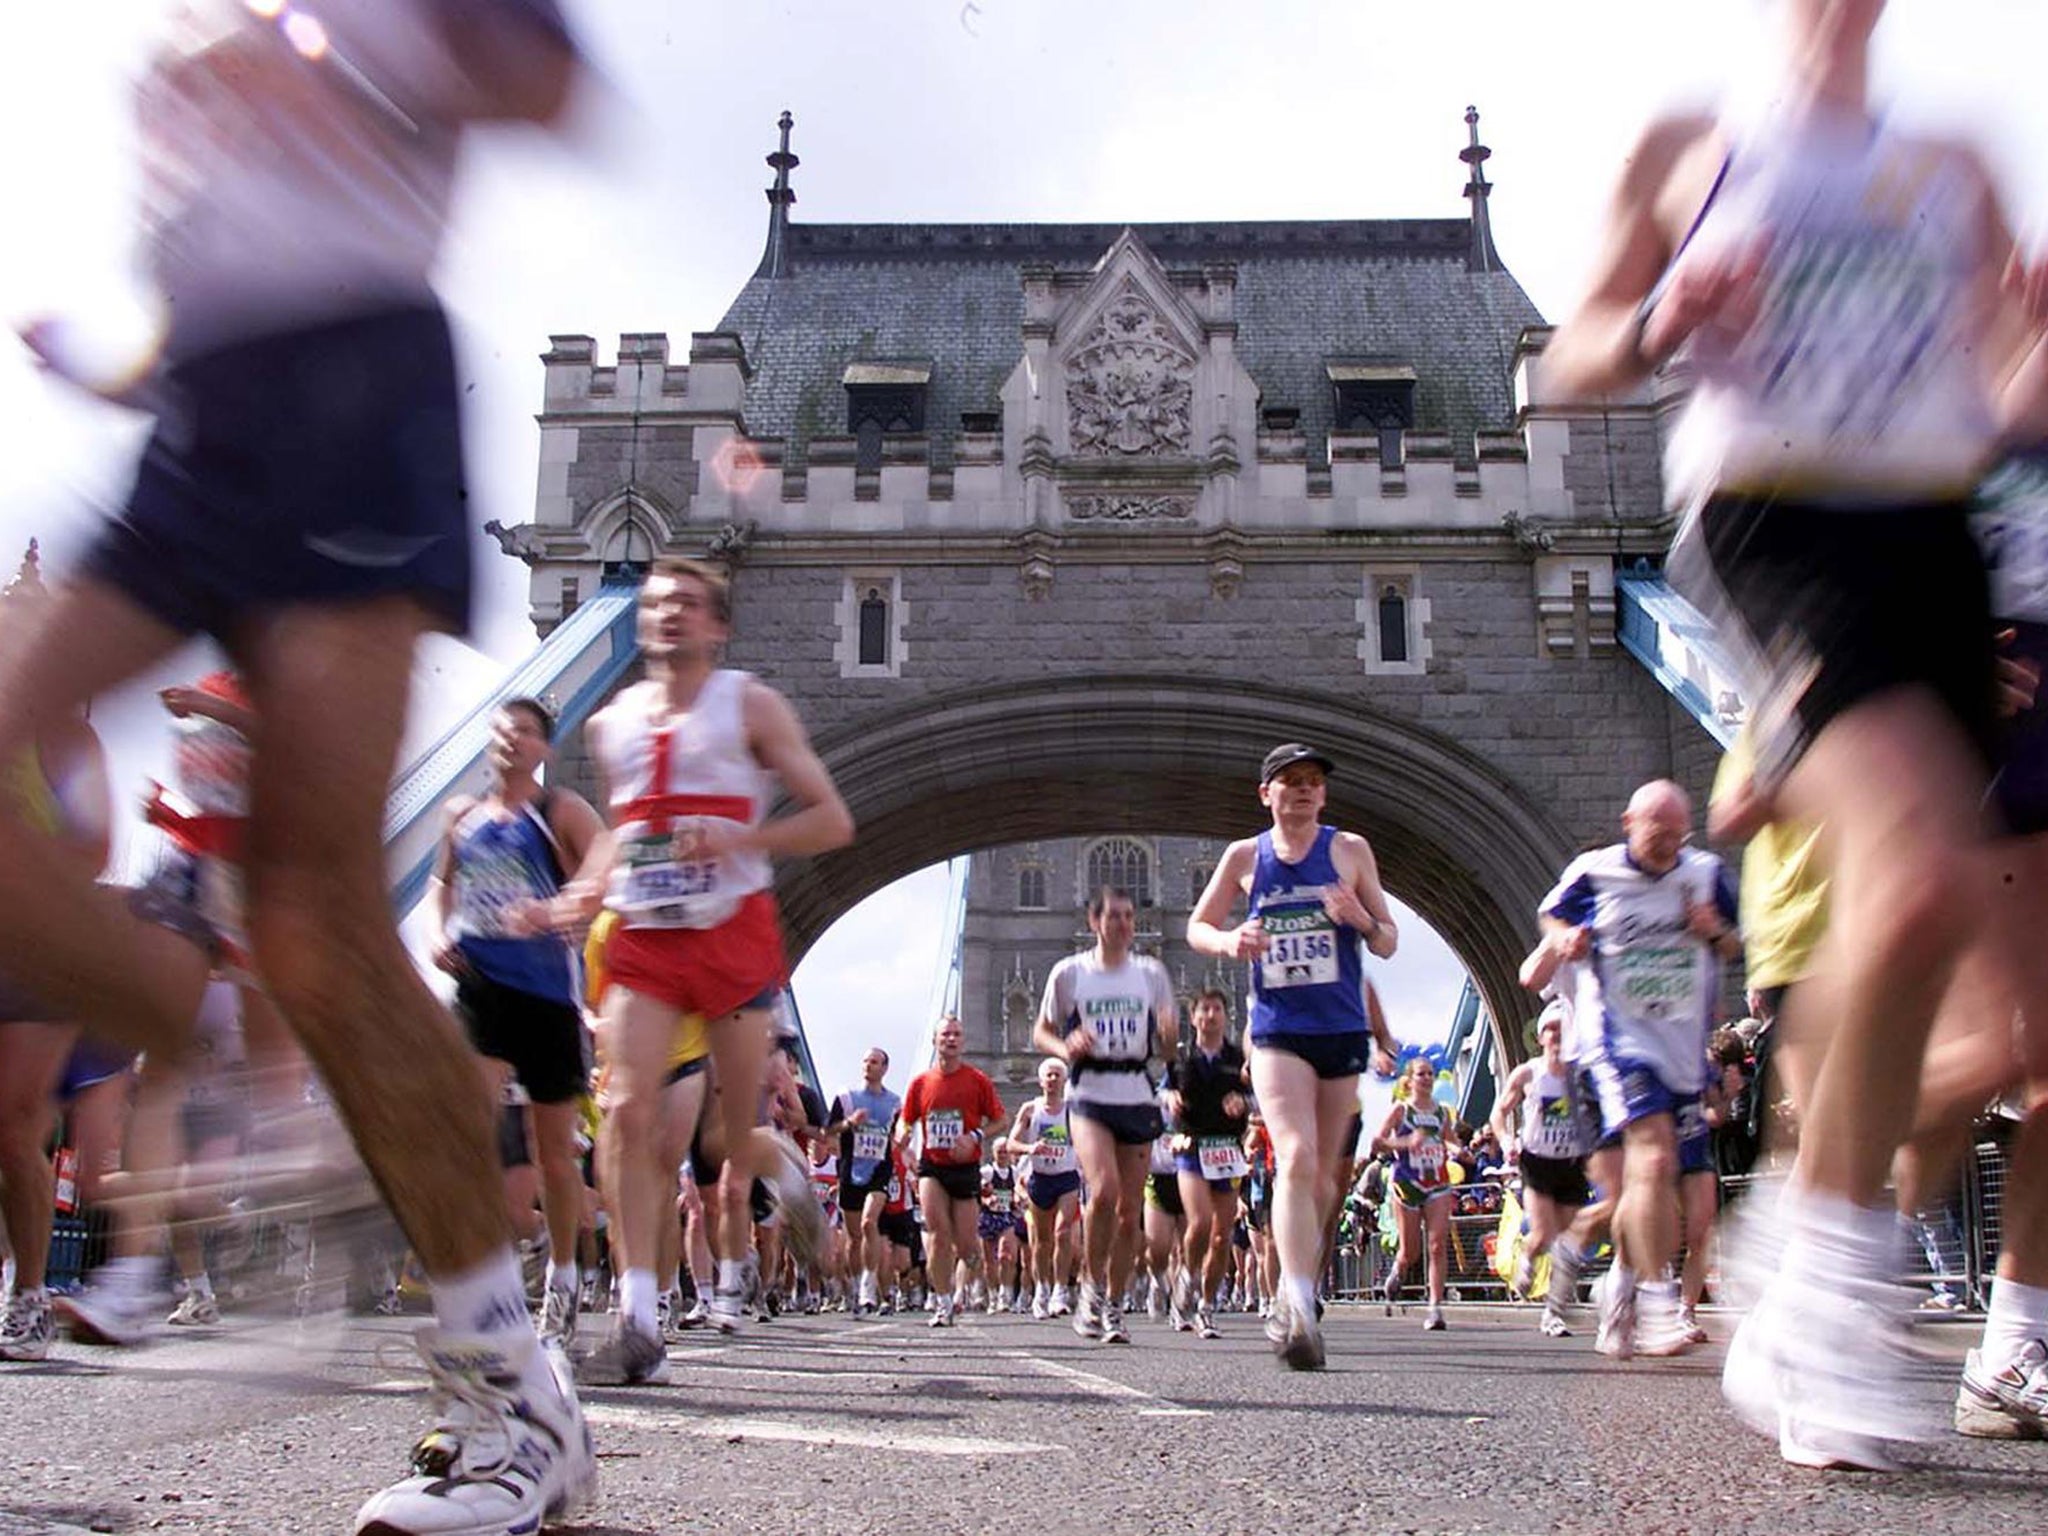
<point>1311,980</point>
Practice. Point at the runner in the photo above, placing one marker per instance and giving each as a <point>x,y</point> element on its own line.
<point>58,781</point>
<point>1166,1226</point>
<point>1542,1127</point>
<point>863,1119</point>
<point>949,1107</point>
<point>686,757</point>
<point>1208,1103</point>
<point>1656,920</point>
<point>516,991</point>
<point>900,1232</point>
<point>1108,1013</point>
<point>997,1227</point>
<point>1044,1133</point>
<point>1854,359</point>
<point>1314,896</point>
<point>1421,1136</point>
<point>316,529</point>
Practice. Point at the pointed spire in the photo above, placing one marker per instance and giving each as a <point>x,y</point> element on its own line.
<point>775,259</point>
<point>1484,257</point>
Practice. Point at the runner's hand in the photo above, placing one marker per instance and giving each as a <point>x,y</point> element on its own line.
<point>527,919</point>
<point>1572,943</point>
<point>1704,922</point>
<point>858,1117</point>
<point>708,837</point>
<point>1081,1043</point>
<point>1383,1063</point>
<point>448,957</point>
<point>2019,681</point>
<point>1342,905</point>
<point>1720,292</point>
<point>1248,940</point>
<point>1233,1105</point>
<point>965,1146</point>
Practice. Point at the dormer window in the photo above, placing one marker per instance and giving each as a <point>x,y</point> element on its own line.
<point>883,398</point>
<point>1375,398</point>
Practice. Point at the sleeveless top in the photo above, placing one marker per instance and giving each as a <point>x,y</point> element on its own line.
<point>501,862</point>
<point>999,1189</point>
<point>1121,1006</point>
<point>1310,980</point>
<point>1427,1166</point>
<point>2011,525</point>
<point>1859,380</point>
<point>1552,1125</point>
<point>665,772</point>
<point>1058,1134</point>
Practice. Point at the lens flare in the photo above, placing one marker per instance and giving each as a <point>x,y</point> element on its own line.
<point>737,466</point>
<point>306,34</point>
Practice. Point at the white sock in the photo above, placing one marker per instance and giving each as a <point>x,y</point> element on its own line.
<point>1832,1240</point>
<point>200,1284</point>
<point>732,1275</point>
<point>637,1299</point>
<point>1301,1294</point>
<point>488,1301</point>
<point>2019,1313</point>
<point>133,1277</point>
<point>1624,1281</point>
<point>563,1277</point>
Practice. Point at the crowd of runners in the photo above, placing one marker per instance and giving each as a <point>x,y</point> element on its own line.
<point>1864,345</point>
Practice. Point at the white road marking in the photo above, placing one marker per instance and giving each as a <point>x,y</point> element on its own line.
<point>1104,1386</point>
<point>784,1432</point>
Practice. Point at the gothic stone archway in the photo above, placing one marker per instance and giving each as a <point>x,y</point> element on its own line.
<point>1006,763</point>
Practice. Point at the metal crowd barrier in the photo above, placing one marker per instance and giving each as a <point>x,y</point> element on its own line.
<point>1951,1249</point>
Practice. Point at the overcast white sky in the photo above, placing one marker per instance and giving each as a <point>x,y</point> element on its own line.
<point>931,110</point>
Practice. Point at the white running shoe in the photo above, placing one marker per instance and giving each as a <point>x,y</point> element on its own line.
<point>559,1312</point>
<point>1695,1332</point>
<point>1088,1314</point>
<point>1824,1369</point>
<point>1433,1319</point>
<point>1041,1303</point>
<point>1301,1341</point>
<point>1617,1333</point>
<point>106,1314</point>
<point>1177,1310</point>
<point>1113,1331</point>
<point>195,1309</point>
<point>1205,1323</point>
<point>28,1327</point>
<point>1553,1325</point>
<point>1661,1328</point>
<point>1155,1301</point>
<point>509,1450</point>
<point>2008,1404</point>
<point>1061,1303</point>
<point>627,1358</point>
<point>728,1309</point>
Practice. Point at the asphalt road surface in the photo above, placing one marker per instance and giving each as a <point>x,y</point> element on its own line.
<point>830,1425</point>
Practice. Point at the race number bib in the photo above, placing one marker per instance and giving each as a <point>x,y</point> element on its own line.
<point>999,1199</point>
<point>870,1143</point>
<point>1058,1156</point>
<point>1428,1162</point>
<point>655,876</point>
<point>1659,982</point>
<point>1301,950</point>
<point>943,1127</point>
<point>1221,1158</point>
<point>1849,327</point>
<point>1119,1027</point>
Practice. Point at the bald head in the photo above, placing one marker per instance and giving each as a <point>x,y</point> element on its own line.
<point>1656,824</point>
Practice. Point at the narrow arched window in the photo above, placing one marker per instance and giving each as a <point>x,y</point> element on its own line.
<point>1393,624</point>
<point>1031,888</point>
<point>874,628</point>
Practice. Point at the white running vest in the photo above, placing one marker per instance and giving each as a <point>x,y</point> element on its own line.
<point>666,773</point>
<point>1858,381</point>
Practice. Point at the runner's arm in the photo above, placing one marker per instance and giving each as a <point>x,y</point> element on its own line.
<point>822,821</point>
<point>1503,1117</point>
<point>441,890</point>
<point>1205,935</point>
<point>1605,345</point>
<point>587,844</point>
<point>1383,1143</point>
<point>1362,880</point>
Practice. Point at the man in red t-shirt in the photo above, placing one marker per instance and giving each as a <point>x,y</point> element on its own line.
<point>950,1104</point>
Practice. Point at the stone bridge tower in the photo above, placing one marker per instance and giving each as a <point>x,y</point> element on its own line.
<point>1052,530</point>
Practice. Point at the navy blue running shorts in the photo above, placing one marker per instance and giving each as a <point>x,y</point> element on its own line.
<point>1332,1056</point>
<point>313,467</point>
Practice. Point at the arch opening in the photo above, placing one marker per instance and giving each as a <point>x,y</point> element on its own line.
<point>1101,756</point>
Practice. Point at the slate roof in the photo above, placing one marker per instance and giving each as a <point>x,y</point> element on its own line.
<point>1307,293</point>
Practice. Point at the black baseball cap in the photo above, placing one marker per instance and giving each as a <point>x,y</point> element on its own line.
<point>1280,759</point>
